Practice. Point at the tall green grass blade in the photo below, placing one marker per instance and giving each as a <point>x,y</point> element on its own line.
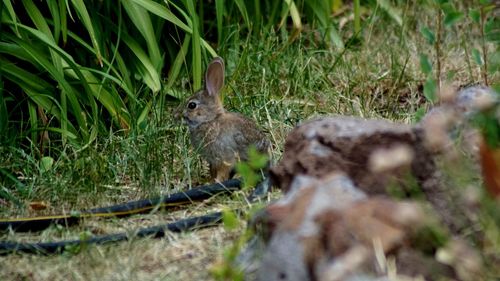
<point>148,72</point>
<point>33,122</point>
<point>257,22</point>
<point>196,47</point>
<point>67,134</point>
<point>392,11</point>
<point>180,59</point>
<point>183,13</point>
<point>335,37</point>
<point>84,16</point>
<point>357,17</point>
<point>294,14</point>
<point>56,19</point>
<point>273,16</point>
<point>14,50</point>
<point>63,19</point>
<point>12,14</point>
<point>125,73</point>
<point>219,13</point>
<point>140,17</point>
<point>244,13</point>
<point>144,113</point>
<point>321,10</point>
<point>163,12</point>
<point>4,117</point>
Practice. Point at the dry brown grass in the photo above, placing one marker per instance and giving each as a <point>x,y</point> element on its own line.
<point>175,257</point>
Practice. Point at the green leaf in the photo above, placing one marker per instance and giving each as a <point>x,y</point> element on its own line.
<point>475,15</point>
<point>447,7</point>
<point>256,160</point>
<point>428,35</point>
<point>492,30</point>
<point>419,114</point>
<point>230,220</point>
<point>425,64</point>
<point>46,164</point>
<point>476,55</point>
<point>452,17</point>
<point>494,63</point>
<point>430,90</point>
<point>249,176</point>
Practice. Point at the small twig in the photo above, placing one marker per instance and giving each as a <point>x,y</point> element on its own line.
<point>483,47</point>
<point>438,49</point>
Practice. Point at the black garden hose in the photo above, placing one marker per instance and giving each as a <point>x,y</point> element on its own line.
<point>122,210</point>
<point>141,206</point>
<point>188,224</point>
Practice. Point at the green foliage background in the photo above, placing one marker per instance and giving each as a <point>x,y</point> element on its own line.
<point>79,68</point>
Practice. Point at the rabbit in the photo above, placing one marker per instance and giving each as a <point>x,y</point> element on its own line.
<point>222,137</point>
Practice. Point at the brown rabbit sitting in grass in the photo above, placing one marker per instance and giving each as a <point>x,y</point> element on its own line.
<point>222,137</point>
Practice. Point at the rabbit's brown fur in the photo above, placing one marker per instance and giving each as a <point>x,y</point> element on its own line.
<point>222,137</point>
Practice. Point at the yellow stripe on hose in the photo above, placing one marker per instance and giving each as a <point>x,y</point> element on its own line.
<point>98,215</point>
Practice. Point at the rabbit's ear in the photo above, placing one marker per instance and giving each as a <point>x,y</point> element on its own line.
<point>214,78</point>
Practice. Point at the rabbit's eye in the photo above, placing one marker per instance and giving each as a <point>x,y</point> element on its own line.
<point>192,105</point>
